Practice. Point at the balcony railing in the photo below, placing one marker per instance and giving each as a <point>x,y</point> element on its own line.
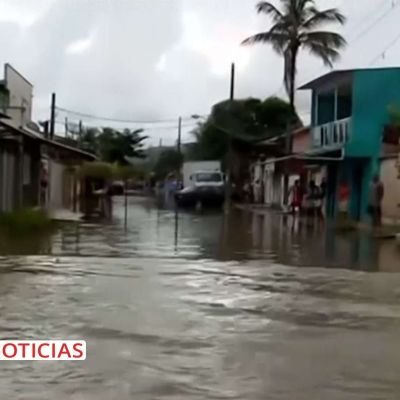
<point>332,134</point>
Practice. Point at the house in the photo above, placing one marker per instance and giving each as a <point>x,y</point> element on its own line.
<point>349,111</point>
<point>272,168</point>
<point>25,151</point>
<point>390,176</point>
<point>17,96</point>
<point>19,167</point>
<point>23,154</point>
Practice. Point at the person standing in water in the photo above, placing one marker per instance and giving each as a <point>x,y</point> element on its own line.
<point>296,194</point>
<point>376,193</point>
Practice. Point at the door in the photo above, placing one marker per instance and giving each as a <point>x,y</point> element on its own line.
<point>331,189</point>
<point>358,176</point>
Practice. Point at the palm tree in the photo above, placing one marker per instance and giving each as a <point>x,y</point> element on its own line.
<point>295,27</point>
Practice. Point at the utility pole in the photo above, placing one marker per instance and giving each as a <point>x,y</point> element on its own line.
<point>228,182</point>
<point>80,132</point>
<point>53,116</point>
<point>232,86</point>
<point>178,148</point>
<point>66,127</point>
<point>178,143</point>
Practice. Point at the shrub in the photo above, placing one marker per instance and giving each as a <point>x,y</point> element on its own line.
<point>25,222</point>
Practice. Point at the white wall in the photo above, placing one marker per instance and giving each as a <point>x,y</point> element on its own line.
<point>56,173</point>
<point>269,183</point>
<point>391,182</point>
<point>21,93</point>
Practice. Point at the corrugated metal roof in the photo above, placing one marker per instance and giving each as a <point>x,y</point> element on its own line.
<point>37,136</point>
<point>331,76</point>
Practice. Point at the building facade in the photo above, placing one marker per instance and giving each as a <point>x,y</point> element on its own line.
<point>24,152</point>
<point>348,114</point>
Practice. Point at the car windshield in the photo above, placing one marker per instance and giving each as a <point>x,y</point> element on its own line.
<point>209,177</point>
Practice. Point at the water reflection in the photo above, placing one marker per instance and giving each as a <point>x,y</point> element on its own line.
<point>202,306</point>
<point>239,235</point>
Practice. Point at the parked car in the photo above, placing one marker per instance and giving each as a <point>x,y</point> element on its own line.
<point>117,188</point>
<point>206,187</point>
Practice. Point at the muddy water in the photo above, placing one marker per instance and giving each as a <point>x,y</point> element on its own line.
<point>202,307</point>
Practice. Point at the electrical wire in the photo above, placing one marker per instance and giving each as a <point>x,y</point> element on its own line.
<point>395,3</point>
<point>147,129</point>
<point>375,22</point>
<point>382,53</point>
<point>125,121</point>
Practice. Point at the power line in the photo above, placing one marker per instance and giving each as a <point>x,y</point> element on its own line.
<point>126,121</point>
<point>376,21</point>
<point>166,128</point>
<point>394,4</point>
<point>382,53</point>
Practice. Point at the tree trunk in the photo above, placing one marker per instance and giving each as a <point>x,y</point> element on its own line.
<point>288,138</point>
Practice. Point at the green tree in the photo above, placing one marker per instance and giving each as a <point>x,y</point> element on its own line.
<point>245,120</point>
<point>114,146</point>
<point>297,25</point>
<point>169,160</point>
<point>89,140</point>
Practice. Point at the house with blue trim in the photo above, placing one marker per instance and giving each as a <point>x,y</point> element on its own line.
<point>349,110</point>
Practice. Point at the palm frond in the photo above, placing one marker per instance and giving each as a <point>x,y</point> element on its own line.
<point>293,29</point>
<point>302,4</point>
<point>269,9</point>
<point>326,53</point>
<point>318,18</point>
<point>276,39</point>
<point>324,38</point>
<point>141,139</point>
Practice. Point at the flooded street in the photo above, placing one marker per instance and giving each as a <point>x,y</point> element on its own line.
<point>196,306</point>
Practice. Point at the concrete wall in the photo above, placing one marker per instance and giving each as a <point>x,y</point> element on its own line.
<point>302,142</point>
<point>56,173</point>
<point>31,175</point>
<point>20,95</point>
<point>8,171</point>
<point>391,181</point>
<point>373,91</point>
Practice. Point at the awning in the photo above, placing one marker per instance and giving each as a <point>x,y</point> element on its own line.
<point>337,155</point>
<point>9,126</point>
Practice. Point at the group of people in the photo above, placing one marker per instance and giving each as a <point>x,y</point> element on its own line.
<point>309,200</point>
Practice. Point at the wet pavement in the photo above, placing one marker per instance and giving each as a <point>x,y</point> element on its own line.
<point>198,306</point>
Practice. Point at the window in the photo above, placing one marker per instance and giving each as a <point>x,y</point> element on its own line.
<point>209,177</point>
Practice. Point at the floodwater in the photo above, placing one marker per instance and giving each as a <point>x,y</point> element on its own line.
<point>195,306</point>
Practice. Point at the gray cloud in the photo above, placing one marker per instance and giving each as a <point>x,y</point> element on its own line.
<point>155,59</point>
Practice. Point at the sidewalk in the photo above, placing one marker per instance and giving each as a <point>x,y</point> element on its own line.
<point>63,215</point>
<point>387,231</point>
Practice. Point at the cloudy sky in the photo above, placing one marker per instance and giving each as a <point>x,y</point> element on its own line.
<point>147,60</point>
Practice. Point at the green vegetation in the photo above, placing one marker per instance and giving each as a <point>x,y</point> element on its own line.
<point>107,171</point>
<point>299,25</point>
<point>169,161</point>
<point>114,146</point>
<point>96,170</point>
<point>243,120</point>
<point>25,222</point>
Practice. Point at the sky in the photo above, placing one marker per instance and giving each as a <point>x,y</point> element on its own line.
<point>156,60</point>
